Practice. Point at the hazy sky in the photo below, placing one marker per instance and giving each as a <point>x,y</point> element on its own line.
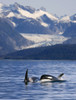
<point>59,7</point>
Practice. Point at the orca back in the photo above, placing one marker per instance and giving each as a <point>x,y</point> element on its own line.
<point>50,77</point>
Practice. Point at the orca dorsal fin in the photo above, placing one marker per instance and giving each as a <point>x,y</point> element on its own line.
<point>26,77</point>
<point>60,75</point>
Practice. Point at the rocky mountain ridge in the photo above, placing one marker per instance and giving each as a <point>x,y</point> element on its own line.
<point>16,19</point>
<point>27,19</point>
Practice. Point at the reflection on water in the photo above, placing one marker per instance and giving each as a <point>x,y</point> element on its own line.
<point>12,84</point>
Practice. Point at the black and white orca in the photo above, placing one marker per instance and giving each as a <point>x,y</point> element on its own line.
<point>43,78</point>
<point>31,79</point>
<point>50,78</point>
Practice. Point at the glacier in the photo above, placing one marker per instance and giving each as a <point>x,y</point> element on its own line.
<point>41,40</point>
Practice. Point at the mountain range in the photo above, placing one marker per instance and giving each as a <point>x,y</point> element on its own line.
<point>10,39</point>
<point>18,22</point>
<point>26,19</point>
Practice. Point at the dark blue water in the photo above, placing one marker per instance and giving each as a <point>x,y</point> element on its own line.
<point>12,76</point>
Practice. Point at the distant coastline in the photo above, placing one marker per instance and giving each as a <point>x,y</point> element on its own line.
<point>56,52</point>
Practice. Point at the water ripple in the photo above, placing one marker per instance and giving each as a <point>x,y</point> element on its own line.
<point>12,84</point>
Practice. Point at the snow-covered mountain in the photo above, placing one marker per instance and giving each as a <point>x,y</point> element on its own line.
<point>27,16</point>
<point>65,19</point>
<point>27,11</point>
<point>48,28</point>
<point>68,19</point>
<point>19,11</point>
<point>10,39</point>
<point>26,19</point>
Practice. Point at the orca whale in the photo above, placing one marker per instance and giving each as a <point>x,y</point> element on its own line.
<point>50,78</point>
<point>31,79</point>
<point>43,78</point>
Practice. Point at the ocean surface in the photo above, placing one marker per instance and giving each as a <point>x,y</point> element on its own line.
<point>12,86</point>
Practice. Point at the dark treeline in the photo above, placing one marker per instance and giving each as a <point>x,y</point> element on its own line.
<point>56,52</point>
